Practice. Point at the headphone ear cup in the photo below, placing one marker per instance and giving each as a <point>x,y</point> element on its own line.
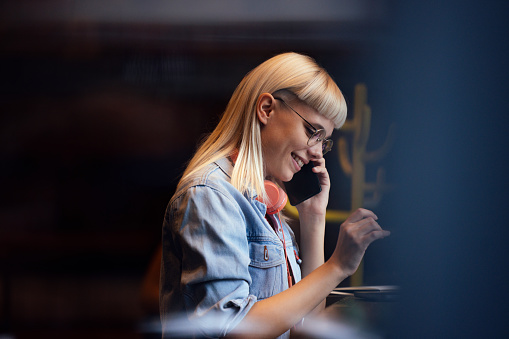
<point>277,197</point>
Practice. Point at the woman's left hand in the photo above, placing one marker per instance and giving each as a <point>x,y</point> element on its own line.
<point>316,206</point>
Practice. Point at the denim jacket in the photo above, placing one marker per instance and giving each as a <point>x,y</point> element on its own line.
<point>220,255</point>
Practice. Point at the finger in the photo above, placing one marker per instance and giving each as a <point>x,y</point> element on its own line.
<point>318,162</point>
<point>375,235</point>
<point>360,214</point>
<point>365,226</point>
<point>319,169</point>
<point>359,230</point>
<point>318,166</point>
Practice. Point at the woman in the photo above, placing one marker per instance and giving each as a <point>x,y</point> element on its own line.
<point>224,264</point>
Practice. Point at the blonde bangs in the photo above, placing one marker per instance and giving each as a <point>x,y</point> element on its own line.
<point>325,97</point>
<point>302,76</point>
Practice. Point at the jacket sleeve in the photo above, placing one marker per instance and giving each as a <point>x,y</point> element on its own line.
<point>215,275</point>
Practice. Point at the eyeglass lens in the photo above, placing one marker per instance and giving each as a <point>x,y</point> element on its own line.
<point>319,136</point>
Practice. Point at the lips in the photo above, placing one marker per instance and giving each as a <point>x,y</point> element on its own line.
<point>299,161</point>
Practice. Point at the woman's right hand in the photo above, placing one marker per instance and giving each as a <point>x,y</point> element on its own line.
<point>358,231</point>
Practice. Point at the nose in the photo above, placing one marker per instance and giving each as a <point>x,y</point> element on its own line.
<point>316,151</point>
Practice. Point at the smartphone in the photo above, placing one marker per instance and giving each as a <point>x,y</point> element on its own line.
<point>303,185</point>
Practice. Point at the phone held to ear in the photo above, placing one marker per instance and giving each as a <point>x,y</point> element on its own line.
<point>303,185</point>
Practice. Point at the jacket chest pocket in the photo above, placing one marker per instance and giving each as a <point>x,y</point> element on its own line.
<point>266,269</point>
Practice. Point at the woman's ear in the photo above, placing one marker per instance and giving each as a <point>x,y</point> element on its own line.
<point>265,107</point>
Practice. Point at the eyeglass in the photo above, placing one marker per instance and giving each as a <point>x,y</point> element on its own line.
<point>317,135</point>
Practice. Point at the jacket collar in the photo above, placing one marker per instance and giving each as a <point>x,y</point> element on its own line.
<point>226,165</point>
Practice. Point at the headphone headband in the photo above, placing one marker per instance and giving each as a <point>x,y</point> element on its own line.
<point>277,197</point>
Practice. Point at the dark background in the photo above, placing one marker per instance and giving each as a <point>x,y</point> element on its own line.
<point>104,102</point>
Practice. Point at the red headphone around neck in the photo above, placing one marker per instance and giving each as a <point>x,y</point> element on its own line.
<point>277,197</point>
<point>277,201</point>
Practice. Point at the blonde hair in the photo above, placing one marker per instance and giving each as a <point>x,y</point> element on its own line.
<point>239,127</point>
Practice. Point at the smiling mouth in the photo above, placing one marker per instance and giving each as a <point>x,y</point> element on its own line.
<point>298,160</point>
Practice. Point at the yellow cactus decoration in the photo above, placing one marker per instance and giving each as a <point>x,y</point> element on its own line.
<point>355,166</point>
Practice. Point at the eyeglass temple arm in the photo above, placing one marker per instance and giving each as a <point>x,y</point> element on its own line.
<point>290,107</point>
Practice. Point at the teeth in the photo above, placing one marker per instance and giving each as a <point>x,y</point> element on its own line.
<point>299,162</point>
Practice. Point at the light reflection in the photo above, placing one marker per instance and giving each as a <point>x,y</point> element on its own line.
<point>318,327</point>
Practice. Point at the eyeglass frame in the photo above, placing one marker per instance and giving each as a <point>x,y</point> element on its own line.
<point>326,143</point>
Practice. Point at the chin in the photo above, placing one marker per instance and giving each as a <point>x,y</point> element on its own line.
<point>282,174</point>
<point>287,178</point>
